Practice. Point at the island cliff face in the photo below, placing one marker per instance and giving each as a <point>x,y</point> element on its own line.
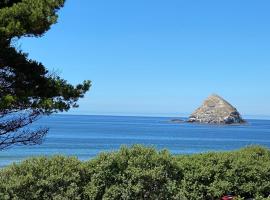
<point>216,110</point>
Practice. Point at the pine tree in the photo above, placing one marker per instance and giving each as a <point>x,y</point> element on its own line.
<point>28,90</point>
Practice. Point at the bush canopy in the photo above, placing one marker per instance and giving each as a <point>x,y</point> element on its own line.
<point>141,173</point>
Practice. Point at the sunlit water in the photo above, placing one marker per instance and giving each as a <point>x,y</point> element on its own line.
<point>86,136</point>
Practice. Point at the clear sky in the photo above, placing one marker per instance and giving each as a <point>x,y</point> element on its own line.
<point>157,57</point>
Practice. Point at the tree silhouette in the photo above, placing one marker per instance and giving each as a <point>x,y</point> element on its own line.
<point>28,90</point>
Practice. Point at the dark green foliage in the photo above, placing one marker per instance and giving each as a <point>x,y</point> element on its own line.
<point>27,17</point>
<point>208,176</point>
<point>141,173</point>
<point>28,85</point>
<point>27,89</point>
<point>42,178</point>
<point>136,173</point>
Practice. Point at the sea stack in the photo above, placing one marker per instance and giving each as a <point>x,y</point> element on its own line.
<point>216,110</point>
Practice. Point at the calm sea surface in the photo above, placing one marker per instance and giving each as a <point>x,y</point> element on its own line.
<point>86,136</point>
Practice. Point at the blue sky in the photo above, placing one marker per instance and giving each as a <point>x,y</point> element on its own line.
<point>156,57</point>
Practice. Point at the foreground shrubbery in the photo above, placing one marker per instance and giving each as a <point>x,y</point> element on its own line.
<point>140,173</point>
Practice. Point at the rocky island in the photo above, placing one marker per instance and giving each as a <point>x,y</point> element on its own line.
<point>216,110</point>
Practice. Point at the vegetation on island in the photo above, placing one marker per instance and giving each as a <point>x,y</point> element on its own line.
<point>27,89</point>
<point>141,173</point>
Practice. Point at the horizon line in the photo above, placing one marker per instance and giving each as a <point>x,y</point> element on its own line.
<point>249,117</point>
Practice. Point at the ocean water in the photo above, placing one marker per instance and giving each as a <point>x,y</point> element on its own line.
<point>87,136</point>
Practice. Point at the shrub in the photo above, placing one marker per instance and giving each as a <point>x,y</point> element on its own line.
<point>140,173</point>
<point>136,173</point>
<point>42,178</point>
<point>244,172</point>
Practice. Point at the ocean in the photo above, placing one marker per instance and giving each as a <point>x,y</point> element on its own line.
<point>86,136</point>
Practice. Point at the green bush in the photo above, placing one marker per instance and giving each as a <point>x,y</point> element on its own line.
<point>141,173</point>
<point>208,176</point>
<point>136,173</point>
<point>42,178</point>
